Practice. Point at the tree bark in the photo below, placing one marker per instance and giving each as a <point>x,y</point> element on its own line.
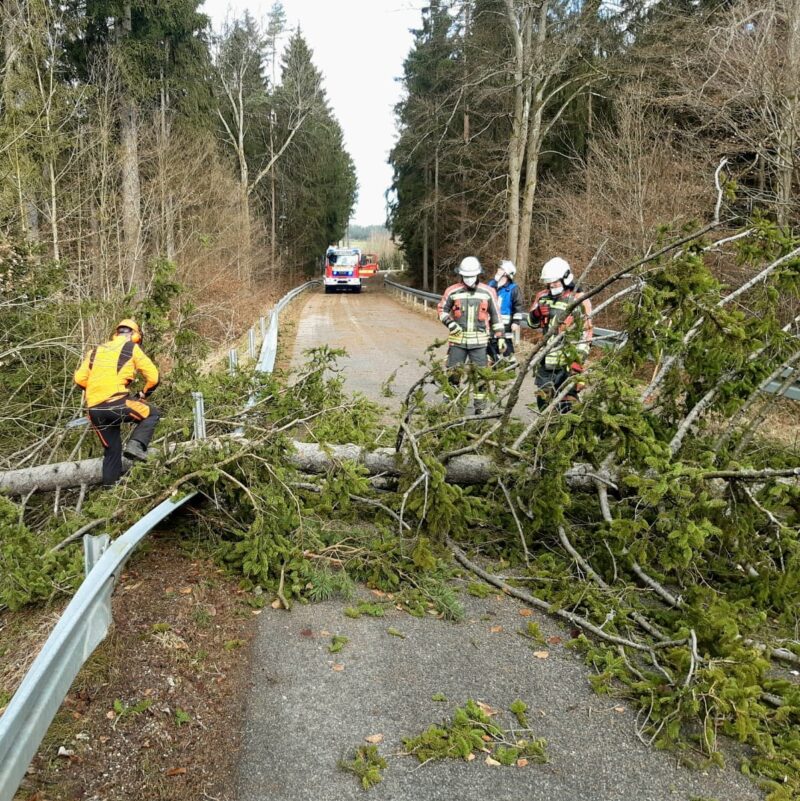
<point>533,149</point>
<point>425,271</point>
<point>308,457</point>
<point>131,186</point>
<point>516,145</point>
<point>790,118</point>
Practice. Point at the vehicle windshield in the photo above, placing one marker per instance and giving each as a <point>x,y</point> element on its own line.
<point>346,261</point>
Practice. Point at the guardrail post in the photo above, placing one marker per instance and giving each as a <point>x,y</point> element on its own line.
<point>251,343</point>
<point>233,360</point>
<point>199,416</point>
<point>263,323</point>
<point>93,549</point>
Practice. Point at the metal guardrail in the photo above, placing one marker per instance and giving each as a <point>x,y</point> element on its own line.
<point>605,337</point>
<point>85,622</point>
<point>602,336</point>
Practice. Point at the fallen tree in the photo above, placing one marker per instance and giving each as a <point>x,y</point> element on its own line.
<point>640,519</point>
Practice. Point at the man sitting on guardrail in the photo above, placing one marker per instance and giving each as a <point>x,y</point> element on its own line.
<point>565,360</point>
<point>469,309</point>
<point>105,375</point>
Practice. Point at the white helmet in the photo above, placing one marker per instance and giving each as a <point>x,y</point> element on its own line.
<point>470,267</point>
<point>557,269</point>
<point>508,268</point>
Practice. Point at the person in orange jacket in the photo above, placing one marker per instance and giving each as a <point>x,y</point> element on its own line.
<point>105,375</point>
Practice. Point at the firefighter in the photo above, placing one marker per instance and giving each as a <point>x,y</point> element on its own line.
<point>511,310</point>
<point>470,311</point>
<point>548,313</point>
<point>104,375</point>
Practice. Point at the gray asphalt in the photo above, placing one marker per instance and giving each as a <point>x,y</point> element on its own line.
<point>304,716</point>
<point>381,335</point>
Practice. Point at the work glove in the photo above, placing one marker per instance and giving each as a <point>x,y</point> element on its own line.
<point>454,327</point>
<point>576,367</point>
<point>502,345</point>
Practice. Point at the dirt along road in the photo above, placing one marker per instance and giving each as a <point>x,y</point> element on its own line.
<point>310,708</point>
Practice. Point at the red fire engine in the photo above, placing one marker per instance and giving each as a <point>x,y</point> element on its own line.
<point>342,269</point>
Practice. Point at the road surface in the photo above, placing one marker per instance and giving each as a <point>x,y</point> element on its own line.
<point>309,709</point>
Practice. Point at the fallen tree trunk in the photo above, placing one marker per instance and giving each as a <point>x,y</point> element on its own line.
<point>308,457</point>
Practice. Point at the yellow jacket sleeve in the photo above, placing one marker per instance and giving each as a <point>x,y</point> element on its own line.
<point>82,373</point>
<point>146,367</point>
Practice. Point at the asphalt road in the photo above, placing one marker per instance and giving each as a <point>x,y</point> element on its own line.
<point>309,708</point>
<point>379,333</point>
<point>382,336</point>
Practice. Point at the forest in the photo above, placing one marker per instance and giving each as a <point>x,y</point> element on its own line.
<point>188,178</point>
<point>533,129</point>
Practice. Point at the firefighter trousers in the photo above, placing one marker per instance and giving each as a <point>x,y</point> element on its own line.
<point>107,419</point>
<point>458,355</point>
<point>549,383</point>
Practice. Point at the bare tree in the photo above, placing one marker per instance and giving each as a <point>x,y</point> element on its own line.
<point>746,84</point>
<point>545,39</point>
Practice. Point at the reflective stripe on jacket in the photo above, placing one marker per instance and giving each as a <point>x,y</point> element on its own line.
<point>510,300</point>
<point>107,370</point>
<point>548,312</point>
<point>475,309</point>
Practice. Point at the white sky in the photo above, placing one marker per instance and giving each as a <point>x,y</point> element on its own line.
<point>359,46</point>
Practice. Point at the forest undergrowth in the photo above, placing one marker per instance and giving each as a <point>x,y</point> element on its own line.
<point>645,518</point>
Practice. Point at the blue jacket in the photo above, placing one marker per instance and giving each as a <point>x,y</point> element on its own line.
<point>510,298</point>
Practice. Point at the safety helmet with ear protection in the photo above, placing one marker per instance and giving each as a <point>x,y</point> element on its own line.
<point>557,269</point>
<point>470,267</point>
<point>136,331</point>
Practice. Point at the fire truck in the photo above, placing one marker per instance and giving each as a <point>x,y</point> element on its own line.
<point>369,264</point>
<point>342,270</point>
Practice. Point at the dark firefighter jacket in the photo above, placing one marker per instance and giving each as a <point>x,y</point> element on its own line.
<point>475,309</point>
<point>548,312</point>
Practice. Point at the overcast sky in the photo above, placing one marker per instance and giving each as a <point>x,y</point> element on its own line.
<point>359,46</point>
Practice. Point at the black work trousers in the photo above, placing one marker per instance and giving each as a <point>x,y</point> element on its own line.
<point>548,383</point>
<point>107,419</point>
<point>458,355</point>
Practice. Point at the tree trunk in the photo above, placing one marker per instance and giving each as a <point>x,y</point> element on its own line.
<point>463,222</point>
<point>533,147</point>
<point>131,187</point>
<point>167,207</point>
<point>517,143</point>
<point>272,192</point>
<point>308,457</point>
<point>790,116</point>
<point>425,238</point>
<point>51,175</point>
<point>436,211</point>
<point>13,18</point>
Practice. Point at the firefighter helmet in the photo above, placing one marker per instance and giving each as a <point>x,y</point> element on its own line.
<point>470,267</point>
<point>557,269</point>
<point>508,268</point>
